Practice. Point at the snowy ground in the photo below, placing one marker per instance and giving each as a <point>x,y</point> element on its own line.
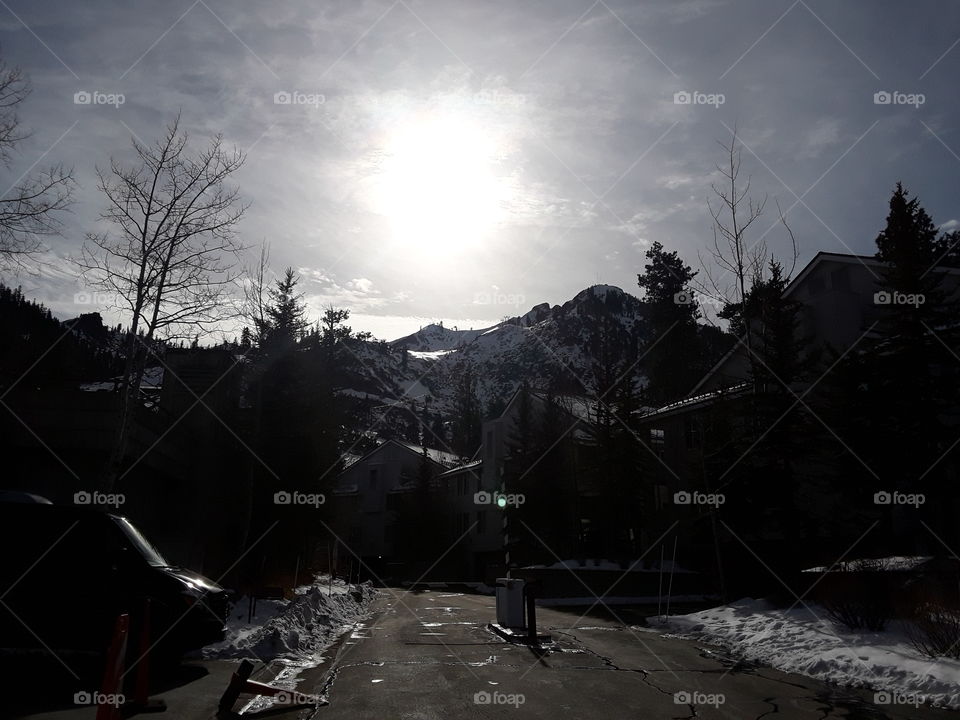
<point>604,564</point>
<point>798,641</point>
<point>609,600</point>
<point>292,633</point>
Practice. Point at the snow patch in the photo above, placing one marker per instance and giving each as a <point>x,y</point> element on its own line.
<point>294,631</point>
<point>808,643</point>
<point>603,564</point>
<point>428,354</point>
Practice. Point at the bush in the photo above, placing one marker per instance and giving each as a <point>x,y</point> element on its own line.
<point>859,597</point>
<point>860,613</point>
<point>935,630</point>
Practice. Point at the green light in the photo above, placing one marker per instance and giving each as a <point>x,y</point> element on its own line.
<point>502,501</point>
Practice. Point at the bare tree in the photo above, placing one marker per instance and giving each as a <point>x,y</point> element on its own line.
<point>29,209</point>
<point>256,295</point>
<point>731,253</point>
<point>173,254</point>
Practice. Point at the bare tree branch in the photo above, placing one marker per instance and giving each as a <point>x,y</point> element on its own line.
<point>173,253</point>
<point>30,208</point>
<point>732,216</point>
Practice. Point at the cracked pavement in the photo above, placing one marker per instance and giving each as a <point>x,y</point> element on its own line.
<point>424,655</point>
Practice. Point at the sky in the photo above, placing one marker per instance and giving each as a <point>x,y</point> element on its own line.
<point>420,160</point>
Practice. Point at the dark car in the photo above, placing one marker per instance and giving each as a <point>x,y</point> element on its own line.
<point>68,572</point>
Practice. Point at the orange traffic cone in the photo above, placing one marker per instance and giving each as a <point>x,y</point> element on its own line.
<point>108,705</point>
<point>141,696</point>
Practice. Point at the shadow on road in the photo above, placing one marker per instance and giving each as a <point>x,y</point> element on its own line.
<point>43,683</point>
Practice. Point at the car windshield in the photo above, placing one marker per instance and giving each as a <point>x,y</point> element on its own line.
<point>149,552</point>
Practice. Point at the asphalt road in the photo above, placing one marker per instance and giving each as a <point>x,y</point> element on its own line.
<point>429,655</point>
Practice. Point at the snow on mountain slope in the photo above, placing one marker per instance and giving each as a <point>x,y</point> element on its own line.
<point>435,337</point>
<point>561,346</point>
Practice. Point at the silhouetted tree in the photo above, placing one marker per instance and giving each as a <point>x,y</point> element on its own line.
<point>467,415</point>
<point>31,209</point>
<point>174,254</point>
<point>672,356</point>
<point>285,314</point>
<point>909,362</point>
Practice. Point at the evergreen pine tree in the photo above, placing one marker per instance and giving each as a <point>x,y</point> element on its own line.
<point>286,313</point>
<point>911,363</point>
<point>672,361</point>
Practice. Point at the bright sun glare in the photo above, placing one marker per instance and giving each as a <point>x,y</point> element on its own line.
<point>437,185</point>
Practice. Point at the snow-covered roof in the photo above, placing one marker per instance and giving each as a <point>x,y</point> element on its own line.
<point>349,459</point>
<point>466,467</point>
<point>442,457</point>
<point>695,400</point>
<point>894,563</point>
<point>152,380</point>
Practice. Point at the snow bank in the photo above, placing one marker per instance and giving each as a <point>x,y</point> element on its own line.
<point>895,563</point>
<point>798,641</point>
<point>607,600</point>
<point>294,631</point>
<point>604,564</point>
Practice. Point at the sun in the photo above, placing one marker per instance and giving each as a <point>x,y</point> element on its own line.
<point>438,186</point>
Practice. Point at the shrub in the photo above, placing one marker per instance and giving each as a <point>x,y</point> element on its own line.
<point>859,613</point>
<point>935,630</point>
<point>859,597</point>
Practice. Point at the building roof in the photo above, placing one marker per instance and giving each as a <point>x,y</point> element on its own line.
<point>438,457</point>
<point>695,401</point>
<point>466,467</point>
<point>441,457</point>
<point>867,261</point>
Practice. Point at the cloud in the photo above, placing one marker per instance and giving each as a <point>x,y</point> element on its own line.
<point>360,285</point>
<point>578,110</point>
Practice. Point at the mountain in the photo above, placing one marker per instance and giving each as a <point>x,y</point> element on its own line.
<point>37,349</point>
<point>436,337</point>
<point>566,348</point>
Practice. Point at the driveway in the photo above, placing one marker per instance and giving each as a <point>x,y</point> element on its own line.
<point>429,655</point>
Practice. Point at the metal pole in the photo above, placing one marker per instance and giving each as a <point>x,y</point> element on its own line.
<point>660,586</point>
<point>530,590</point>
<point>673,562</point>
<point>506,527</point>
<point>506,544</point>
